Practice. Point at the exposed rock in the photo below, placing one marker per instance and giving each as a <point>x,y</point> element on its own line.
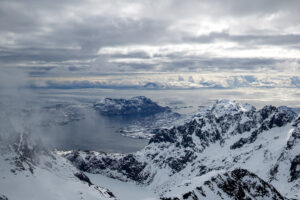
<point>81,176</point>
<point>2,197</point>
<point>295,168</point>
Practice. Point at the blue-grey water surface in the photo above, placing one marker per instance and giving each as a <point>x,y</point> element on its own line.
<point>100,133</point>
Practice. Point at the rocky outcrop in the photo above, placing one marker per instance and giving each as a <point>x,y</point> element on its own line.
<point>295,168</point>
<point>94,162</point>
<point>2,197</point>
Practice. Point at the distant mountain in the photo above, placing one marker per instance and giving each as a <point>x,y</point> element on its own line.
<point>286,108</point>
<point>134,106</point>
<point>254,151</point>
<point>151,85</point>
<point>31,172</point>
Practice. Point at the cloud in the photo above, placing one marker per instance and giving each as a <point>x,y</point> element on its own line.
<point>295,81</point>
<point>17,115</point>
<point>156,81</point>
<point>149,36</point>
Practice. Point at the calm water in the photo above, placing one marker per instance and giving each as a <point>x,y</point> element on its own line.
<point>100,133</point>
<point>94,132</point>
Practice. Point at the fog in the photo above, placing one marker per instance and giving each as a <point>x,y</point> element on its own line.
<point>64,124</point>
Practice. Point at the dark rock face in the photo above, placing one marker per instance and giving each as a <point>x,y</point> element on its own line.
<point>289,158</point>
<point>81,176</point>
<point>164,135</point>
<point>132,168</point>
<point>2,197</point>
<point>296,122</point>
<point>127,165</point>
<point>294,138</point>
<point>295,168</point>
<point>266,111</point>
<point>237,184</point>
<point>268,117</point>
<point>136,105</point>
<point>177,164</point>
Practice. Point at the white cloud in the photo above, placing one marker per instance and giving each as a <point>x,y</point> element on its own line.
<point>173,81</point>
<point>221,49</point>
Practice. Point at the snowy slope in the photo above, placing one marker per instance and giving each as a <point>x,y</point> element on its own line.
<point>30,172</point>
<point>124,190</point>
<point>225,136</point>
<point>236,184</point>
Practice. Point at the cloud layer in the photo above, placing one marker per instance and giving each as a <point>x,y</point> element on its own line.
<point>170,81</point>
<point>150,36</point>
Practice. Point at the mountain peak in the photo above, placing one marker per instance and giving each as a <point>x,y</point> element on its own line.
<point>224,106</point>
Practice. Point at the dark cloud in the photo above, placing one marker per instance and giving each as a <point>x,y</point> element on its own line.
<point>287,39</point>
<point>216,64</point>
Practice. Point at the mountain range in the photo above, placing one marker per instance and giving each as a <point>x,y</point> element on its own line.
<point>225,142</point>
<point>228,150</point>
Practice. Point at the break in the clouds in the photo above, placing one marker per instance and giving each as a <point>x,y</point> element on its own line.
<point>100,36</point>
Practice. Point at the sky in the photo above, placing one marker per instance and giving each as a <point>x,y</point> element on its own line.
<point>152,43</point>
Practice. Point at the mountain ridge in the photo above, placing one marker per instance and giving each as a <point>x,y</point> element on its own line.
<point>225,136</point>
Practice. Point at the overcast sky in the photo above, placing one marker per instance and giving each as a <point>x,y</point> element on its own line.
<point>103,36</point>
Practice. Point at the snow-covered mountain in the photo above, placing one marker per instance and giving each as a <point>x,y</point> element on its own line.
<point>257,149</point>
<point>31,172</point>
<point>236,184</point>
<point>133,106</point>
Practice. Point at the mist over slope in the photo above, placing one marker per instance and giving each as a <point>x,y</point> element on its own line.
<point>28,169</point>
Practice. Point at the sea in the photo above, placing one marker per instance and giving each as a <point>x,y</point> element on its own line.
<point>101,133</point>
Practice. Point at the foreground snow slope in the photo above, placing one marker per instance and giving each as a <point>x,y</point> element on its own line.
<point>123,190</point>
<point>225,136</point>
<point>236,184</point>
<point>30,172</point>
